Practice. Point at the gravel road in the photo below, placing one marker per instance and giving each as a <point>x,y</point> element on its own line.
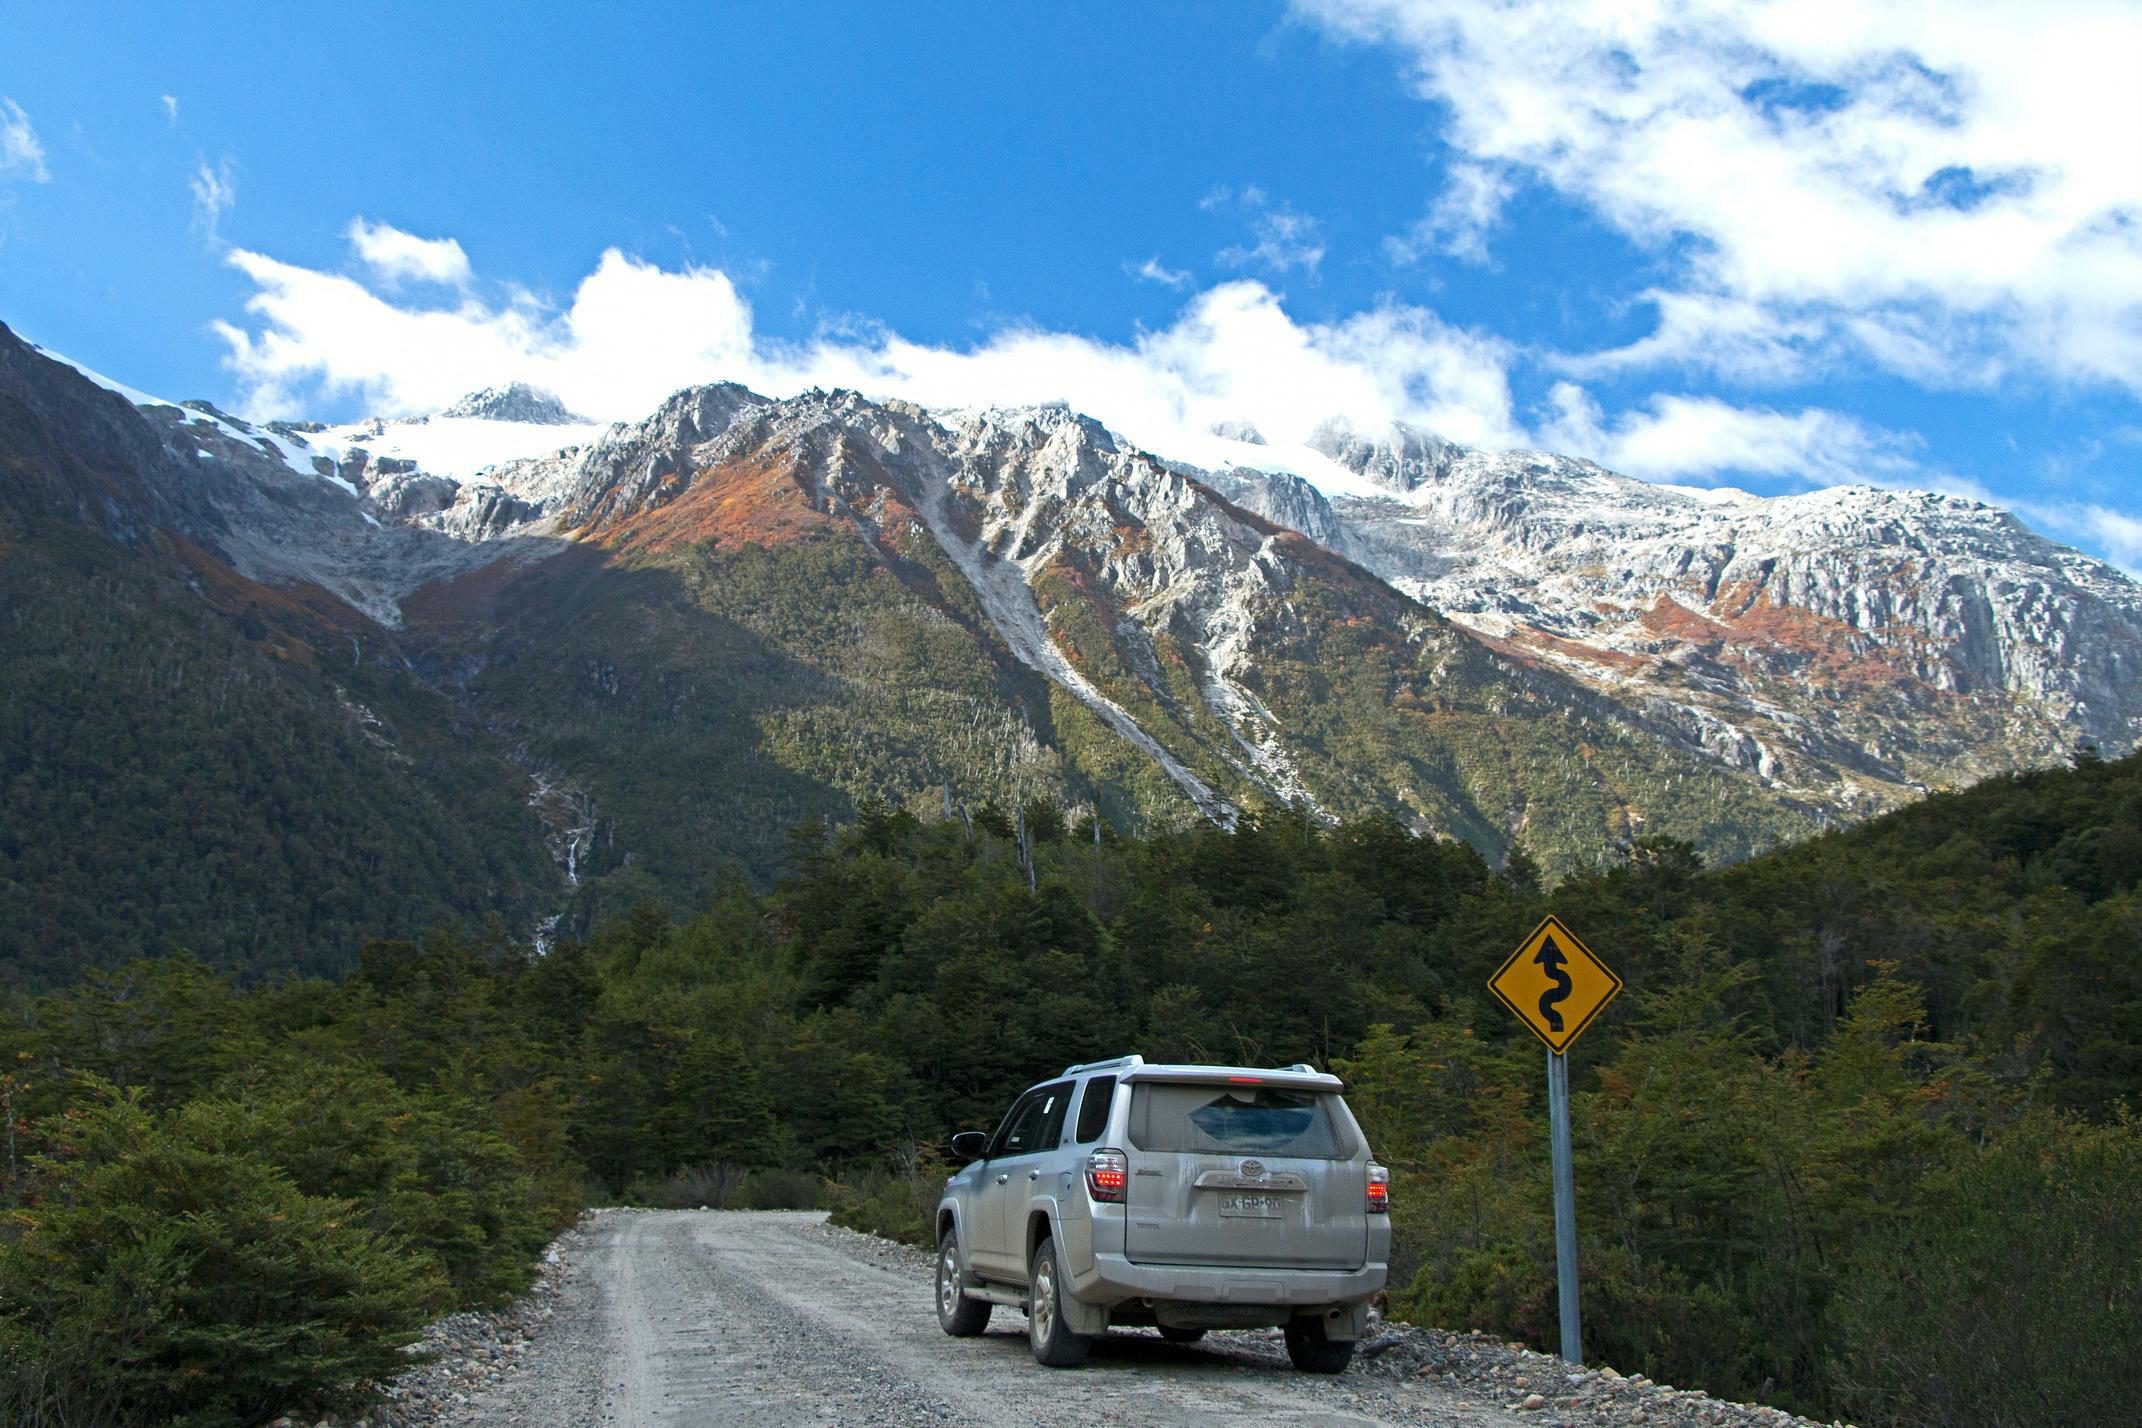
<point>747,1318</point>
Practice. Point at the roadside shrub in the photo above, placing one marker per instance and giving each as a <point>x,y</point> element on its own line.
<point>713,1187</point>
<point>423,1166</point>
<point>896,1198</point>
<point>2014,1298</point>
<point>781,1190</point>
<point>1503,1288</point>
<point>722,1186</point>
<point>159,1270</point>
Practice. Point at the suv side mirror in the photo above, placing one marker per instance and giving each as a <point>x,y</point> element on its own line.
<point>970,1145</point>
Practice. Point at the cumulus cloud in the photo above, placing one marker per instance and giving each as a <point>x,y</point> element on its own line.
<point>397,256</point>
<point>1701,438</point>
<point>1950,193</point>
<point>21,154</point>
<point>634,332</point>
<point>214,191</point>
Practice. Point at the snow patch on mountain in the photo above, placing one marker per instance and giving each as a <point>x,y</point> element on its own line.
<point>461,447</point>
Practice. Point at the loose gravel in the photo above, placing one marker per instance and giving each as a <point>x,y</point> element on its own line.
<point>713,1317</point>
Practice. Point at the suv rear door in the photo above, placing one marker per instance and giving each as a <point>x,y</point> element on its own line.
<point>1243,1171</point>
<point>1006,1187</point>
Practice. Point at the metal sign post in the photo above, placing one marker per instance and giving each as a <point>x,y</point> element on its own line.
<point>1556,986</point>
<point>1565,1206</point>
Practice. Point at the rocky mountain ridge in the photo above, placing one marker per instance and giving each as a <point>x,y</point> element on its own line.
<point>1675,659</point>
<point>1854,642</point>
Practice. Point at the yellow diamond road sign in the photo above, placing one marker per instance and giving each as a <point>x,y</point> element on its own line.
<point>1555,984</point>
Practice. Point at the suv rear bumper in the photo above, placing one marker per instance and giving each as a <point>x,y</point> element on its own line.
<point>1115,1278</point>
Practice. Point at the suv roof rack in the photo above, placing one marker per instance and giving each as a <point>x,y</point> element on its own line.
<point>1104,1065</point>
<point>1125,1063</point>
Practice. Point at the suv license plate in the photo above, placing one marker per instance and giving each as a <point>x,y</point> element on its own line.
<point>1249,1207</point>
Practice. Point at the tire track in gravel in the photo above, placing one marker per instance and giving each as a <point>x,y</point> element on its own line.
<point>764,1320</point>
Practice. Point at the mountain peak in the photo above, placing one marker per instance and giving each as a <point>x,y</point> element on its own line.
<point>516,401</point>
<point>1400,457</point>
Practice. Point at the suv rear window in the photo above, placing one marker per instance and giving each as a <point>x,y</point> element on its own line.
<point>1235,1120</point>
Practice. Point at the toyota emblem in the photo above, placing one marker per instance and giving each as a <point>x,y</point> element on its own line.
<point>1253,1169</point>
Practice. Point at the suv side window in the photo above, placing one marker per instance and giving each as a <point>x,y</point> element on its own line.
<point>1093,1108</point>
<point>1010,1123</point>
<point>1052,1121</point>
<point>1035,1123</point>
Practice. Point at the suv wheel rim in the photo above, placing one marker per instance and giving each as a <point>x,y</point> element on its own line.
<point>948,1282</point>
<point>1044,1311</point>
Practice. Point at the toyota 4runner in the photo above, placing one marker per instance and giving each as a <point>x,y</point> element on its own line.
<point>1183,1197</point>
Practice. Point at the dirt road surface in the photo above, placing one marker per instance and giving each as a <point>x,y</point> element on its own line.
<point>746,1318</point>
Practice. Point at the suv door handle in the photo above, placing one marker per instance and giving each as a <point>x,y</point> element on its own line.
<point>1002,1178</point>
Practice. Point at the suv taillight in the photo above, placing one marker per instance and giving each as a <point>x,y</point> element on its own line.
<point>1379,1190</point>
<point>1107,1173</point>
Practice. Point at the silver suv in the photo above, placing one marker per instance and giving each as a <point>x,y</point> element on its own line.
<point>1184,1197</point>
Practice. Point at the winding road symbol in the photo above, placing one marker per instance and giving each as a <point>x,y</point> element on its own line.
<point>1551,960</point>
<point>1555,984</point>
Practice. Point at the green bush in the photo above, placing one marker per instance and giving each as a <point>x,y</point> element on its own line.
<point>1502,1288</point>
<point>694,1187</point>
<point>896,1198</point>
<point>422,1166</point>
<point>159,1270</point>
<point>781,1190</point>
<point>2014,1299</point>
<point>722,1186</point>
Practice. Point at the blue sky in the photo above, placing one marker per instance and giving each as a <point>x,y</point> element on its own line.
<point>1772,245</point>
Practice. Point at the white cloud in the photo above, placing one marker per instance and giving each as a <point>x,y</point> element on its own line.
<point>1233,357</point>
<point>21,155</point>
<point>1458,222</point>
<point>634,332</point>
<point>1684,438</point>
<point>1286,238</point>
<point>214,191</point>
<point>1951,191</point>
<point>1152,271</point>
<point>2116,535</point>
<point>170,108</point>
<point>397,256</point>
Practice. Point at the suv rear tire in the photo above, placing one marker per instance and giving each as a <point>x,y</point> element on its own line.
<point>1055,1346</point>
<point>1314,1353</point>
<point>959,1316</point>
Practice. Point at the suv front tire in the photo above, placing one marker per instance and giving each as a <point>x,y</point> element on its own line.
<point>960,1316</point>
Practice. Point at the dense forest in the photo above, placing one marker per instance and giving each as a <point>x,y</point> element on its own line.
<point>1857,1139</point>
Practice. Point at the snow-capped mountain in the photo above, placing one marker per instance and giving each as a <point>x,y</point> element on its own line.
<point>514,402</point>
<point>1857,640</point>
<point>1361,639</point>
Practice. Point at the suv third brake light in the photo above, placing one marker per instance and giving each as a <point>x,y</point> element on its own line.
<point>1379,1190</point>
<point>1107,1173</point>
